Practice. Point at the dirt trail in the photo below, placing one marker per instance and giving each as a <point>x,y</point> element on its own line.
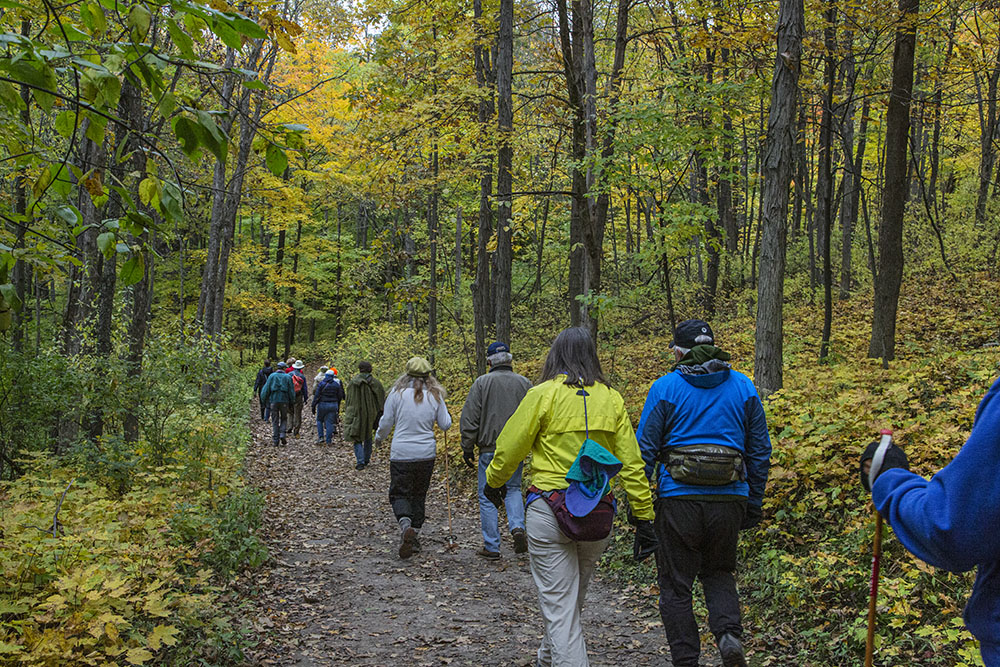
<point>335,593</point>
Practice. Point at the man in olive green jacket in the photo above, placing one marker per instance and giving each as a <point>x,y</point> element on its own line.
<point>492,400</point>
<point>362,410</point>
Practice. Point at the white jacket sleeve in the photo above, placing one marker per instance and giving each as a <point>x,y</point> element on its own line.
<point>388,416</point>
<point>443,416</point>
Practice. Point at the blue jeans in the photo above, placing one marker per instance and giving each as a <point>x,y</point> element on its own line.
<point>363,451</point>
<point>489,516</point>
<point>279,421</point>
<point>326,417</point>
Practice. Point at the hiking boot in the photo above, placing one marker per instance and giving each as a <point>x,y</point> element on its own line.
<point>416,544</point>
<point>406,545</point>
<point>520,541</point>
<point>488,555</point>
<point>360,466</point>
<point>732,651</point>
<point>284,442</point>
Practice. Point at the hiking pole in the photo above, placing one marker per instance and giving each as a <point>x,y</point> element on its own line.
<point>452,545</point>
<point>876,464</point>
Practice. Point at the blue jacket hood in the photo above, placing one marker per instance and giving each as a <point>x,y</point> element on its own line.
<point>706,381</point>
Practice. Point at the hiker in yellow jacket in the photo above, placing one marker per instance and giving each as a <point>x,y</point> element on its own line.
<point>552,423</point>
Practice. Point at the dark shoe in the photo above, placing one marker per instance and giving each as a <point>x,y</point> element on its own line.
<point>732,651</point>
<point>360,466</point>
<point>488,555</point>
<point>406,546</point>
<point>284,441</point>
<point>416,544</point>
<point>520,541</point>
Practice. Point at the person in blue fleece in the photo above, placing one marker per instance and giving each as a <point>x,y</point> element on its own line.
<point>703,412</point>
<point>951,520</point>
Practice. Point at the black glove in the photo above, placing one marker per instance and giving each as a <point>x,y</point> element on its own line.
<point>314,409</point>
<point>895,457</point>
<point>494,494</point>
<point>469,458</point>
<point>752,517</point>
<point>645,540</point>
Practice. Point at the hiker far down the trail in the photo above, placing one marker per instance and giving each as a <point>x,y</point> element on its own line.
<point>327,396</point>
<point>363,403</point>
<point>491,401</point>
<point>951,520</point>
<point>294,369</point>
<point>279,393</point>
<point>579,435</point>
<point>262,375</point>
<point>705,445</point>
<point>415,403</point>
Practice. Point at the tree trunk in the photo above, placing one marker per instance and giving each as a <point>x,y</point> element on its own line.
<point>505,202</point>
<point>779,152</point>
<point>890,240</point>
<point>824,198</point>
<point>988,126</point>
<point>481,305</point>
<point>849,218</point>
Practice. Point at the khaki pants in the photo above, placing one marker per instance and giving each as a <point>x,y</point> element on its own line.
<point>561,569</point>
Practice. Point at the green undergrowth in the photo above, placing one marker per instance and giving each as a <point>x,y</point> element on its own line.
<point>122,552</point>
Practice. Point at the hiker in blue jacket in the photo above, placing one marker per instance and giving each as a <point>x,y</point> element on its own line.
<point>705,445</point>
<point>951,520</point>
<point>279,393</point>
<point>327,396</point>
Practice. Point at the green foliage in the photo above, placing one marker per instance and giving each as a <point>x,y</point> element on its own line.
<point>150,531</point>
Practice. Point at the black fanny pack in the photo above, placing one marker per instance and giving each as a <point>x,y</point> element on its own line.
<point>704,465</point>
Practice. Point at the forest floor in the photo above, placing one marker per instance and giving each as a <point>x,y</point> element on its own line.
<point>334,591</point>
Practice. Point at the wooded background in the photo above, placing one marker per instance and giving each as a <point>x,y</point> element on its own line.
<point>185,185</point>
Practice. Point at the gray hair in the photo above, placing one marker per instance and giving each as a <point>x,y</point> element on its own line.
<point>500,359</point>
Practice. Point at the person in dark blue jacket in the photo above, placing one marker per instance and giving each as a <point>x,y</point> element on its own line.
<point>327,396</point>
<point>705,445</point>
<point>951,520</point>
<point>258,384</point>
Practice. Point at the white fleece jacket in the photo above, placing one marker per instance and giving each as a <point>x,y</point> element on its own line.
<point>413,439</point>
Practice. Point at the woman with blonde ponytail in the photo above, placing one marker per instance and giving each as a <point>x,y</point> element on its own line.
<point>414,405</point>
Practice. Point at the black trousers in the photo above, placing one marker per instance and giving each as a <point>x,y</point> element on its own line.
<point>698,538</point>
<point>408,484</point>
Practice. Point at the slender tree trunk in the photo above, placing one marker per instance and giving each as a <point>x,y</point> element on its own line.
<point>481,305</point>
<point>825,180</point>
<point>890,240</point>
<point>938,94</point>
<point>272,334</point>
<point>22,271</point>
<point>850,217</point>
<point>779,154</point>
<point>505,202</point>
<point>988,134</point>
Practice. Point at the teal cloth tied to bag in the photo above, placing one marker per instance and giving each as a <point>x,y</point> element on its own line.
<point>589,477</point>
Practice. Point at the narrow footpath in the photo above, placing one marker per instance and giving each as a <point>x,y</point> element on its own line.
<point>334,591</point>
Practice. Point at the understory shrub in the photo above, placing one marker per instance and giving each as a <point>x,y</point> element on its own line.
<point>121,550</point>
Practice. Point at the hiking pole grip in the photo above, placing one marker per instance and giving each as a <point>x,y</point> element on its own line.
<point>876,465</point>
